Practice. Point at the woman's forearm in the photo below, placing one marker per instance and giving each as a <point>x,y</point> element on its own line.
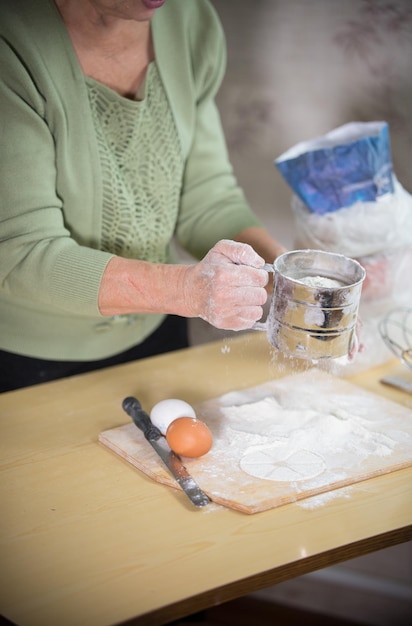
<point>131,286</point>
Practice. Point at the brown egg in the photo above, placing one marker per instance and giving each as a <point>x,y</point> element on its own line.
<point>188,436</point>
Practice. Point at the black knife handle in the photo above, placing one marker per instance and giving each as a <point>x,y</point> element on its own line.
<point>133,408</point>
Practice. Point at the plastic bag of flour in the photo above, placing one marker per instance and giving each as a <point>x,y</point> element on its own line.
<point>346,199</point>
<point>377,234</point>
<point>350,164</point>
<point>362,229</point>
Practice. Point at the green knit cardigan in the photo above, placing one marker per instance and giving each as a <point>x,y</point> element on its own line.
<point>51,263</point>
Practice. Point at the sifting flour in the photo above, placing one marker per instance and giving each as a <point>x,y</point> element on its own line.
<point>321,281</point>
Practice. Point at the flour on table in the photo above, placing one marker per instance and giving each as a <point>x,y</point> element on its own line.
<point>298,435</point>
<point>323,499</point>
<point>271,463</point>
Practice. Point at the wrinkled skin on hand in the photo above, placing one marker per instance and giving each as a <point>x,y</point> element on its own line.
<point>227,288</point>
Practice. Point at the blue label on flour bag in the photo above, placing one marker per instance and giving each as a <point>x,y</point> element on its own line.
<point>350,164</point>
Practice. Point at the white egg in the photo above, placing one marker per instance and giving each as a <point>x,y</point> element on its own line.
<point>166,411</point>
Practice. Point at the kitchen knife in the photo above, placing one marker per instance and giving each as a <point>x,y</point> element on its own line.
<point>399,383</point>
<point>172,461</point>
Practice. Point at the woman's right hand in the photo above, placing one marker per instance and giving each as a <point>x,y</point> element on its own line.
<point>227,288</point>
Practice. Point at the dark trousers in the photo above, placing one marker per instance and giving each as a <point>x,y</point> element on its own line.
<point>18,371</point>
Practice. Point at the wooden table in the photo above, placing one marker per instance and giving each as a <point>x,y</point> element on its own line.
<point>88,540</point>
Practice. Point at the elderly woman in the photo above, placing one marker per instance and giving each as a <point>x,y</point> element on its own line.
<point>111,149</point>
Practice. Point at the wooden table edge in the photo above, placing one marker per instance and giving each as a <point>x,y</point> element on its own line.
<point>239,588</point>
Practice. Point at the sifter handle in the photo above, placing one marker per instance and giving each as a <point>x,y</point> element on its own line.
<point>263,325</point>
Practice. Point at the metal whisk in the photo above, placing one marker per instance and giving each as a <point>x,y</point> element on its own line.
<point>396,331</point>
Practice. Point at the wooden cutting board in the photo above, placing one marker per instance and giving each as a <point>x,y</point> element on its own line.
<point>285,440</point>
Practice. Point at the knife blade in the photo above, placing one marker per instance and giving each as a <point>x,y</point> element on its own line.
<point>399,383</point>
<point>159,444</point>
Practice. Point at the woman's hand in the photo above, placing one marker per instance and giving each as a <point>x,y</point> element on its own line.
<point>227,288</point>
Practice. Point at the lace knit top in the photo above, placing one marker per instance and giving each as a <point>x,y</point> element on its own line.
<point>142,167</point>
